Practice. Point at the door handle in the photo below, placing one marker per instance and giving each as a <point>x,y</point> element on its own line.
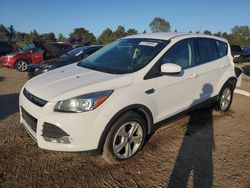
<point>150,91</point>
<point>193,75</point>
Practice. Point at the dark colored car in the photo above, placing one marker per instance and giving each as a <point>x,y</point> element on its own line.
<point>246,54</point>
<point>7,47</point>
<point>236,52</point>
<point>34,54</point>
<point>76,54</point>
<point>240,54</point>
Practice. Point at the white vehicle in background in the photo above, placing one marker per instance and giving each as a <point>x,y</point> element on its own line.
<point>110,102</point>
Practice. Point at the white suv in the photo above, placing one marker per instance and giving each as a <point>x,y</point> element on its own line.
<point>110,102</point>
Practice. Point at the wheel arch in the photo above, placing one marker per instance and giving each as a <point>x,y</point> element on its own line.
<point>20,60</point>
<point>140,109</point>
<point>232,81</point>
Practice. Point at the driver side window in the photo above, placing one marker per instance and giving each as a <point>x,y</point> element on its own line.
<point>182,53</point>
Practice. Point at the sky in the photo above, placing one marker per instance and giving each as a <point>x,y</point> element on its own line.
<point>62,16</point>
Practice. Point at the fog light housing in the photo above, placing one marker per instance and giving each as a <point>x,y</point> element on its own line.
<point>54,134</point>
<point>62,140</point>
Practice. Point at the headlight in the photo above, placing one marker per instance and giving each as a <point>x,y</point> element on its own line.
<point>9,56</point>
<point>83,103</point>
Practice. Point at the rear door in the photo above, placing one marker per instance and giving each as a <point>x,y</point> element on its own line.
<point>212,64</point>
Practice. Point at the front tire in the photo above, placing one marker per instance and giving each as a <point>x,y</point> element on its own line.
<point>225,98</point>
<point>125,138</point>
<point>21,65</point>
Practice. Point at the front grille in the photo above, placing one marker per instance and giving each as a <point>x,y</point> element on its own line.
<point>30,120</point>
<point>35,100</point>
<point>52,131</point>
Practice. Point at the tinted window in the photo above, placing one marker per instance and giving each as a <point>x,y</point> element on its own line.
<point>37,50</point>
<point>222,48</point>
<point>6,48</point>
<point>207,50</point>
<point>91,51</point>
<point>76,51</point>
<point>182,53</point>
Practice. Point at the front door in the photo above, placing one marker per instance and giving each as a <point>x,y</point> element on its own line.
<point>176,93</point>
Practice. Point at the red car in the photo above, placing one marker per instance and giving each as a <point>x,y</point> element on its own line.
<point>34,54</point>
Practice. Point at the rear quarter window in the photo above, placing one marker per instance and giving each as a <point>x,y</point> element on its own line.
<point>222,48</point>
<point>207,50</point>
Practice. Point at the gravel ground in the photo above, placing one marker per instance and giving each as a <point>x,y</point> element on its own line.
<point>205,149</point>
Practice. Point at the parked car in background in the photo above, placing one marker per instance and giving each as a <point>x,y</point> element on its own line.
<point>240,54</point>
<point>236,52</point>
<point>245,57</point>
<point>110,102</point>
<point>76,54</point>
<point>7,47</point>
<point>20,59</point>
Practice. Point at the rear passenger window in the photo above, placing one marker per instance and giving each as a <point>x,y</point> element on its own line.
<point>207,50</point>
<point>222,48</point>
<point>182,53</point>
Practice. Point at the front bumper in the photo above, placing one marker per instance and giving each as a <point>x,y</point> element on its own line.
<point>84,129</point>
<point>7,62</point>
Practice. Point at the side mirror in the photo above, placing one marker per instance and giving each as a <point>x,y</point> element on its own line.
<point>170,68</point>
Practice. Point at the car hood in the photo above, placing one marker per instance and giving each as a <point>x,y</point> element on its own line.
<point>58,60</point>
<point>54,48</point>
<point>72,80</point>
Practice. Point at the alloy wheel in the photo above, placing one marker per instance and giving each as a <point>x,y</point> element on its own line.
<point>128,140</point>
<point>22,66</point>
<point>226,98</point>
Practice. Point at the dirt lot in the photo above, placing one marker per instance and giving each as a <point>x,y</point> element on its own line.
<point>207,149</point>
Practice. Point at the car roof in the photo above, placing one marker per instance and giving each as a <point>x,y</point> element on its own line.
<point>169,36</point>
<point>90,46</point>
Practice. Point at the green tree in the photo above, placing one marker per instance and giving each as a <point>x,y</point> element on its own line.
<point>144,31</point>
<point>84,35</point>
<point>50,37</point>
<point>119,32</point>
<point>207,32</point>
<point>218,34</point>
<point>22,37</point>
<point>175,31</point>
<point>60,38</point>
<point>11,32</point>
<point>33,36</point>
<point>106,37</point>
<point>240,35</point>
<point>3,32</point>
<point>132,32</point>
<point>159,25</point>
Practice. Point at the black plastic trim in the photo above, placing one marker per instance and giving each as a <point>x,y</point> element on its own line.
<point>52,131</point>
<point>32,98</point>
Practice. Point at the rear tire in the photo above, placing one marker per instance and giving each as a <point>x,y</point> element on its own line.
<point>21,65</point>
<point>225,98</point>
<point>125,138</point>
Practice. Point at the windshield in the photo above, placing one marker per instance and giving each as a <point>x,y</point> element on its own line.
<point>75,52</point>
<point>124,56</point>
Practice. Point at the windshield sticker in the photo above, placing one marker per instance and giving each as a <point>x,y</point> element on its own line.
<point>144,43</point>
